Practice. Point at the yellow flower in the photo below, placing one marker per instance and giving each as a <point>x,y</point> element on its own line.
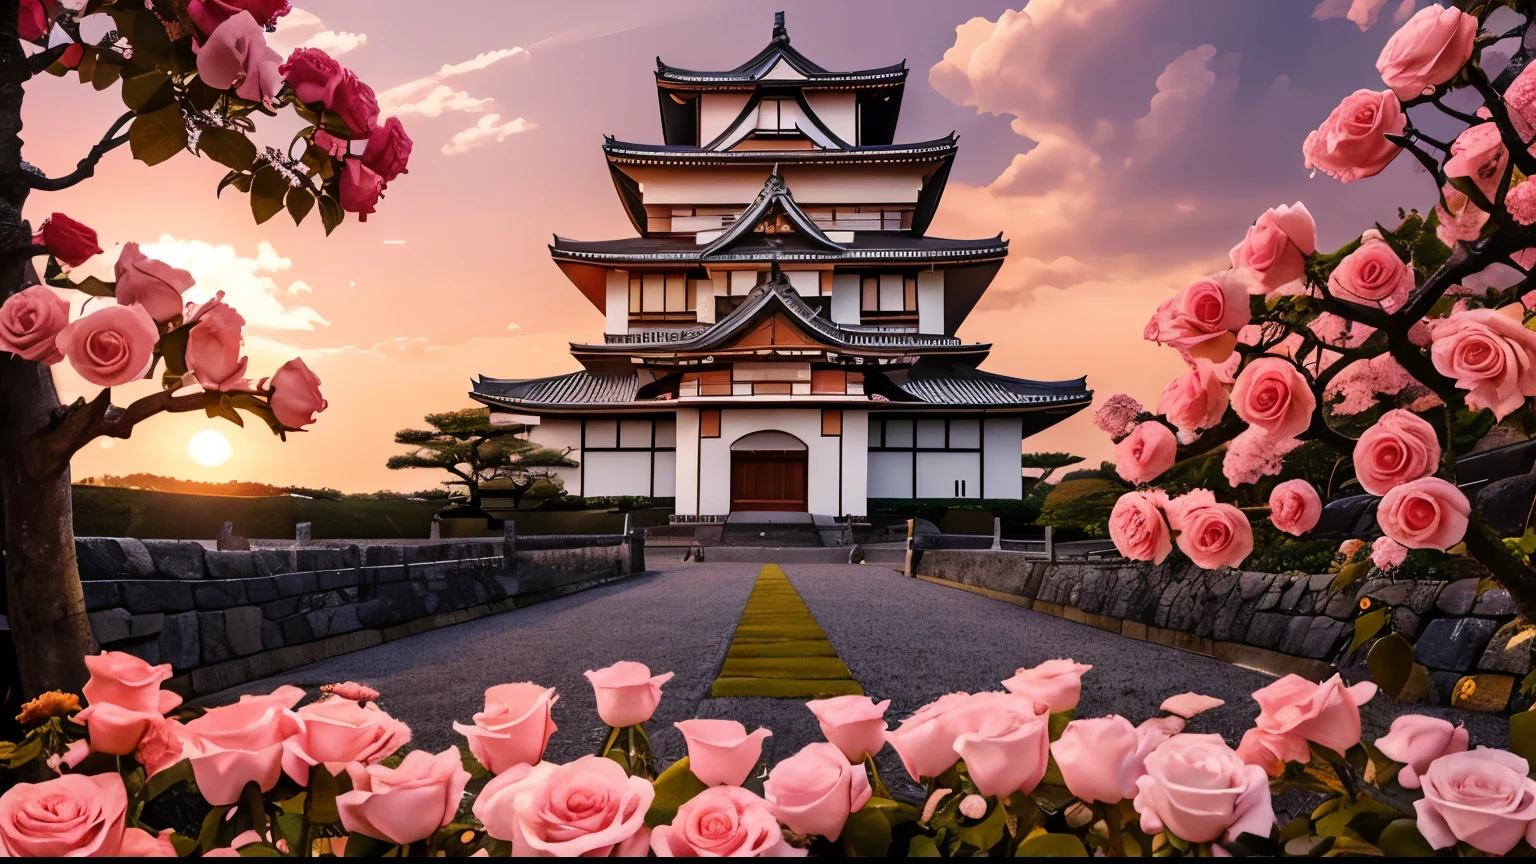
<point>54,703</point>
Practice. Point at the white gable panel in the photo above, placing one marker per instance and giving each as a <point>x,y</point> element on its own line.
<point>782,71</point>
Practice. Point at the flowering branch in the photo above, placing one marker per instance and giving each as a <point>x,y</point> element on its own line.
<point>87,166</point>
<point>82,422</point>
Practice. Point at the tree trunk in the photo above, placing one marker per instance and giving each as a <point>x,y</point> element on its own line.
<point>45,606</point>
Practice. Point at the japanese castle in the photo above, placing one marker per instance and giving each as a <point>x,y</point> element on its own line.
<point>781,334</point>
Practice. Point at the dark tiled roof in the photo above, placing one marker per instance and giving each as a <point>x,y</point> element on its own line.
<point>765,60</point>
<point>974,387</point>
<point>866,246</point>
<point>625,152</point>
<point>575,388</point>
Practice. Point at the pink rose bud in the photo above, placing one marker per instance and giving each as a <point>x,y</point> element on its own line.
<point>1481,797</point>
<point>313,75</point>
<point>1101,758</point>
<point>233,745</point>
<point>31,20</point>
<point>1271,394</point>
<point>856,724</point>
<point>1372,275</point>
<point>515,727</point>
<point>356,103</point>
<point>1416,740</point>
<point>1274,250</point>
<point>1146,453</point>
<point>1294,507</point>
<point>296,395</point>
<point>723,822</point>
<point>1212,535</point>
<point>236,56</point>
<point>1117,417</point>
<point>1197,788</point>
<point>125,701</point>
<point>815,790</point>
<point>405,804</point>
<point>1138,529</point>
<point>1056,684</point>
<point>30,321</point>
<point>350,690</point>
<point>1478,154</point>
<point>1427,51</point>
<point>155,285</point>
<point>340,731</point>
<point>627,694</point>
<point>587,808</point>
<point>69,241</point>
<point>209,14</point>
<point>1428,513</point>
<point>973,807</point>
<point>75,816</point>
<point>926,740</point>
<point>1490,356</point>
<point>1387,554</point>
<point>1202,321</point>
<point>1352,143</point>
<point>213,347</point>
<point>1005,740</point>
<point>1399,448</point>
<point>1326,714</point>
<point>111,346</point>
<point>1194,401</point>
<point>720,752</point>
<point>388,150</point>
<point>361,189</point>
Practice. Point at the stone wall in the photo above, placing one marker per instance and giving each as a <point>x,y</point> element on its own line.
<point>224,618</point>
<point>1474,646</point>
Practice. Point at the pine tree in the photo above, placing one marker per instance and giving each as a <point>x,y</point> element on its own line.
<point>467,445</point>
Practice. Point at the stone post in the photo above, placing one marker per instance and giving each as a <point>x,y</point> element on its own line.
<point>908,566</point>
<point>303,533</point>
<point>1050,544</point>
<point>436,532</point>
<point>636,541</point>
<point>997,533</point>
<point>509,544</point>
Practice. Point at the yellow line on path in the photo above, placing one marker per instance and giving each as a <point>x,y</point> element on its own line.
<point>779,650</point>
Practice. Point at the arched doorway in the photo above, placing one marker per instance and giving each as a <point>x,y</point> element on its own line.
<point>769,472</point>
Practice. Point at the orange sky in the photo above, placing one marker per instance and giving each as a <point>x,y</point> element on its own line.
<point>1122,145</point>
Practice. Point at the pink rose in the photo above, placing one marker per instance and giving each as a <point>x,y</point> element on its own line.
<point>514,728</point>
<point>1416,741</point>
<point>388,150</point>
<point>1459,218</point>
<point>30,321</point>
<point>209,14</point>
<point>856,724</point>
<point>296,395</point>
<point>1482,797</point>
<point>627,695</point>
<point>1372,275</point>
<point>1202,320</point>
<point>1101,758</point>
<point>1489,355</point>
<point>1138,528</point>
<point>1194,401</point>
<point>1520,101</point>
<point>124,699</point>
<point>361,189</point>
<point>1400,447</point>
<point>926,741</point>
<point>68,241</point>
<point>1197,788</point>
<point>1272,394</point>
<point>1056,684</point>
<point>356,103</point>
<point>1520,201</point>
<point>236,56</point>
<point>1146,453</point>
<point>405,804</point>
<point>1275,248</point>
<point>815,790</point>
<point>1478,154</point>
<point>1211,534</point>
<point>233,745</point>
<point>31,20</point>
<point>155,285</point>
<point>338,731</point>
<point>1294,507</point>
<point>313,75</point>
<point>160,747</point>
<point>1428,513</point>
<point>1427,51</point>
<point>588,807</point>
<point>1005,740</point>
<point>1387,554</point>
<point>1117,416</point>
<point>213,346</point>
<point>111,346</point>
<point>1352,143</point>
<point>723,822</point>
<point>1326,714</point>
<point>74,816</point>
<point>720,752</point>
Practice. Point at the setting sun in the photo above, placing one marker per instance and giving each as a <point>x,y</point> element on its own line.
<point>209,448</point>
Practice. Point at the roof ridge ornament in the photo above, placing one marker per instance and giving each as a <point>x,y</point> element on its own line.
<point>780,33</point>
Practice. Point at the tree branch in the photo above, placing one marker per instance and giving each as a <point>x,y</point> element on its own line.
<point>38,63</point>
<point>1515,576</point>
<point>1500,115</point>
<point>49,451</point>
<point>87,166</point>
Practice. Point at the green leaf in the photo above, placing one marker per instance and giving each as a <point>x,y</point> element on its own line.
<point>867,834</point>
<point>1468,427</point>
<point>26,751</point>
<point>181,772</point>
<point>1428,251</point>
<point>895,812</point>
<point>213,824</point>
<point>151,44</point>
<point>185,845</point>
<point>268,187</point>
<point>618,756</point>
<point>228,148</point>
<point>1391,663</point>
<point>300,201</point>
<point>1349,574</point>
<point>323,789</point>
<point>1059,721</point>
<point>331,213</point>
<point>986,833</point>
<point>1402,839</point>
<point>158,135</point>
<point>257,406</point>
<point>363,846</point>
<point>173,348</point>
<point>259,850</point>
<point>317,160</point>
<point>1343,815</point>
<point>1474,193</point>
<point>105,74</point>
<point>675,787</point>
<point>148,93</point>
<point>922,846</point>
<point>1052,846</point>
<point>232,179</point>
<point>1367,626</point>
<point>1522,735</point>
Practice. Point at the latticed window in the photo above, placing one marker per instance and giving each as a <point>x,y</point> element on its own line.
<point>662,297</point>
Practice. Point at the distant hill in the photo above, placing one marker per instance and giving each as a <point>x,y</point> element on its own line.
<point>241,488</point>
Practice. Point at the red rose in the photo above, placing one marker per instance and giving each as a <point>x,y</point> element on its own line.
<point>69,241</point>
<point>312,74</point>
<point>209,14</point>
<point>31,20</point>
<point>388,150</point>
<point>361,189</point>
<point>355,102</point>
